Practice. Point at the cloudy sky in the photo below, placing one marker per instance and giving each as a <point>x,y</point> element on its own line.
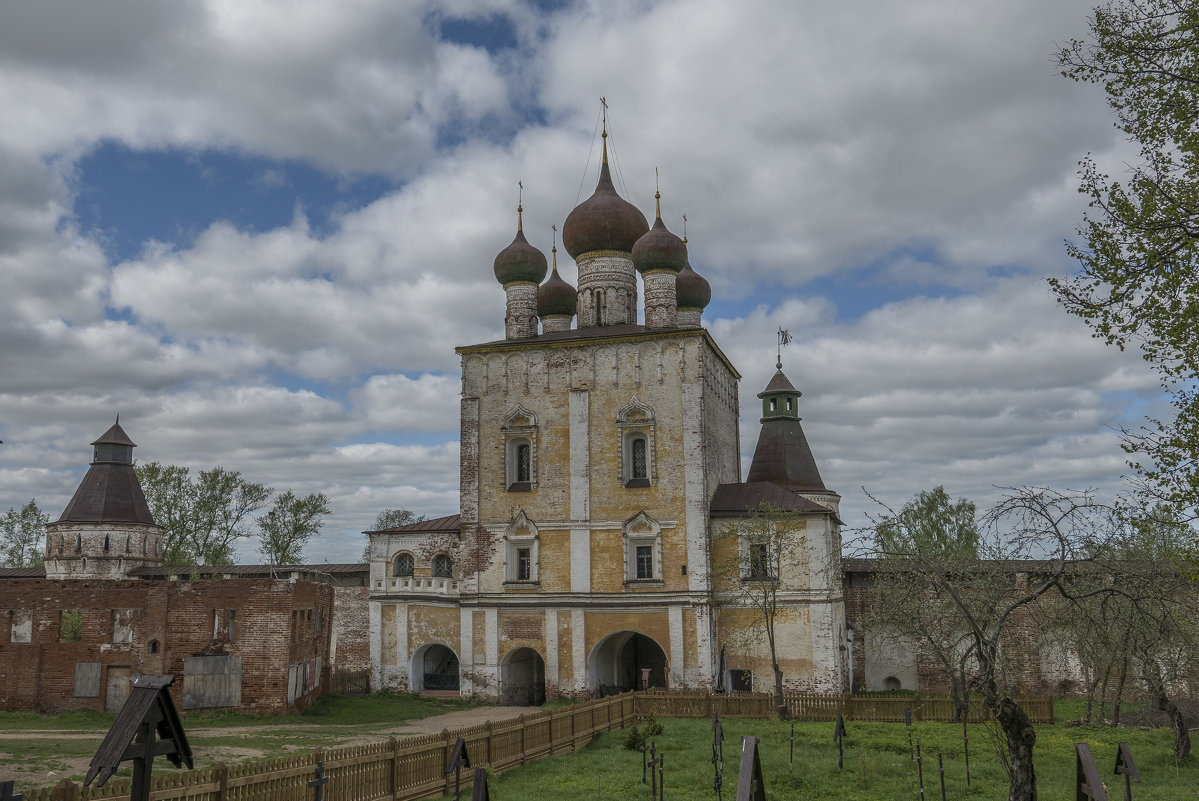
<point>257,230</point>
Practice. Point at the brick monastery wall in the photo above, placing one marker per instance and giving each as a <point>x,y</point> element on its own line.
<point>150,626</point>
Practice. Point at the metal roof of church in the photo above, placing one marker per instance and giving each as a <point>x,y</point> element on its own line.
<point>437,524</point>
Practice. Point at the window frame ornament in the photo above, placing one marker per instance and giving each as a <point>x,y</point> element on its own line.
<point>636,421</point>
<point>433,563</point>
<point>518,429</point>
<point>521,534</point>
<point>642,530</point>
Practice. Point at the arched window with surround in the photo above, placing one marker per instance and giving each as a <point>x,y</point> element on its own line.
<point>443,566</point>
<point>403,565</point>
<point>635,425</point>
<point>519,436</point>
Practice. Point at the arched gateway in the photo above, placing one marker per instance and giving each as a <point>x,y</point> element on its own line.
<point>434,667</point>
<point>617,663</point>
<point>522,678</point>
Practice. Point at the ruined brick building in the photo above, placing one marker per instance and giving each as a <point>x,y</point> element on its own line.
<point>104,608</point>
<point>599,456</point>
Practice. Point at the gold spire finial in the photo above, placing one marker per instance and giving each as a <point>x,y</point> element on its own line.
<point>554,249</point>
<point>604,135</point>
<point>520,209</point>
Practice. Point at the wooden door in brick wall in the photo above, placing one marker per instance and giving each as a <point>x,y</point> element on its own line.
<point>116,689</point>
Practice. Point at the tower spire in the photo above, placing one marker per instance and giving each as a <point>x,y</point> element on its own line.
<point>520,210</point>
<point>658,196</point>
<point>554,249</point>
<point>604,133</point>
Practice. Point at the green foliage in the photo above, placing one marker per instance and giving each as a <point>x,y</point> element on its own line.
<point>390,518</point>
<point>70,625</point>
<point>202,518</point>
<point>930,525</point>
<point>286,529</point>
<point>637,735</point>
<point>1139,280</point>
<point>22,536</point>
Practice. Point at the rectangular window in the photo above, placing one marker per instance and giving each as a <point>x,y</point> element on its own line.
<point>741,681</point>
<point>70,626</point>
<point>759,562</point>
<point>645,561</point>
<point>524,564</point>
<point>232,625</point>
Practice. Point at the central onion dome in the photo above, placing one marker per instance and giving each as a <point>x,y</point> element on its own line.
<point>692,289</point>
<point>604,221</point>
<point>520,261</point>
<point>659,249</point>
<point>555,296</point>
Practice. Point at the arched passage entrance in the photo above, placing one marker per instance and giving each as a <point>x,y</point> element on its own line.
<point>522,678</point>
<point>434,667</point>
<point>617,660</point>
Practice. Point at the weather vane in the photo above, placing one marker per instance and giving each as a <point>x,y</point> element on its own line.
<point>784,339</point>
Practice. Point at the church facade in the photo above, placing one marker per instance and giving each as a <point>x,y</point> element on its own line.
<point>600,459</point>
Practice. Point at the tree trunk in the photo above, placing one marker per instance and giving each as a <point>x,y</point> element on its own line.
<point>779,706</point>
<point>1182,739</point>
<point>1120,692</point>
<point>1021,737</point>
<point>1107,672</point>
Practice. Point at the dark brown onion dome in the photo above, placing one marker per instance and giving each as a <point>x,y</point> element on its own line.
<point>692,289</point>
<point>520,261</point>
<point>659,249</point>
<point>556,297</point>
<point>604,221</point>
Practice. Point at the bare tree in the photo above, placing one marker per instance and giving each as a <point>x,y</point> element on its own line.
<point>960,608</point>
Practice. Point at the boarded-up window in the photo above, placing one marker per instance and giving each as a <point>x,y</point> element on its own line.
<point>211,681</point>
<point>70,628</point>
<point>122,625</point>
<point>87,679</point>
<point>22,627</point>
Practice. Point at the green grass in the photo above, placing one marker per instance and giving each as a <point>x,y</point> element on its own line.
<point>877,764</point>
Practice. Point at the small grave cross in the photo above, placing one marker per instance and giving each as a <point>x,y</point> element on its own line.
<point>1089,787</point>
<point>1125,765</point>
<point>839,739</point>
<point>750,786</point>
<point>459,759</point>
<point>6,793</point>
<point>718,754</point>
<point>907,721</point>
<point>319,782</point>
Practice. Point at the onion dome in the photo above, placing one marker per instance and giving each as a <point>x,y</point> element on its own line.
<point>692,289</point>
<point>604,221</point>
<point>659,249</point>
<point>520,261</point>
<point>556,296</point>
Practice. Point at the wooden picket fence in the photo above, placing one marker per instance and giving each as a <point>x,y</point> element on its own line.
<point>414,767</point>
<point>826,706</point>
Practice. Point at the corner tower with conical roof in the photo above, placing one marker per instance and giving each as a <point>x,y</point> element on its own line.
<point>107,528</point>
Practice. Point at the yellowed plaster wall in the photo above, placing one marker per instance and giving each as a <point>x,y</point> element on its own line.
<point>793,640</point>
<point>565,650</point>
<point>554,564</point>
<point>433,624</point>
<point>390,649</point>
<point>655,625</point>
<point>522,630</point>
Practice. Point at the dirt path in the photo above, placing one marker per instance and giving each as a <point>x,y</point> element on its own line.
<point>292,737</point>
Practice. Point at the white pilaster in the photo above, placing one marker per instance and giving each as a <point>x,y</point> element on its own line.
<point>375,622</point>
<point>551,648</point>
<point>578,642</point>
<point>466,649</point>
<point>580,491</point>
<point>674,618</point>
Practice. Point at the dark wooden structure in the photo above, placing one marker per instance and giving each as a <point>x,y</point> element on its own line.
<point>459,759</point>
<point>1088,785</point>
<point>750,786</point>
<point>1125,765</point>
<point>147,726</point>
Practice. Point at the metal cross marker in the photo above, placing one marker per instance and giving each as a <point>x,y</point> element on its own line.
<point>718,754</point>
<point>839,739</point>
<point>319,782</point>
<point>6,793</point>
